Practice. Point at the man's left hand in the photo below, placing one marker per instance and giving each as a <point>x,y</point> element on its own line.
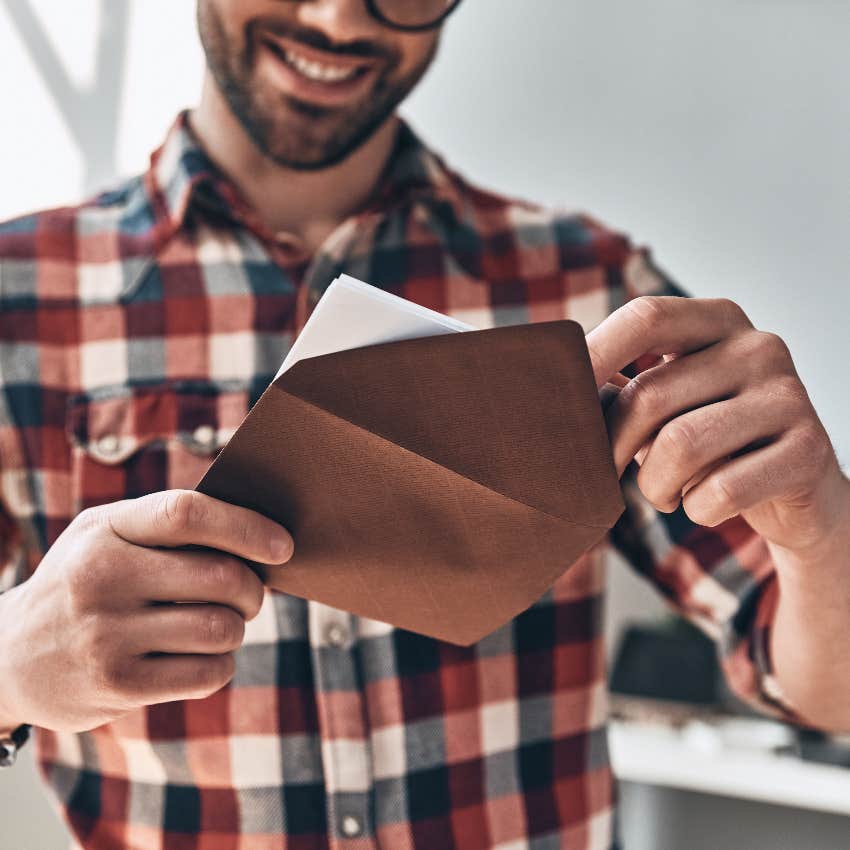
<point>721,423</point>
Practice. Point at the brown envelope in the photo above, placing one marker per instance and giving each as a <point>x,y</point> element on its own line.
<point>439,484</point>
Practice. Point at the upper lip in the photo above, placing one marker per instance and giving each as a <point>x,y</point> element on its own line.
<point>321,57</point>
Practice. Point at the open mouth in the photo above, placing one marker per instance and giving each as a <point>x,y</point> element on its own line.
<point>327,71</point>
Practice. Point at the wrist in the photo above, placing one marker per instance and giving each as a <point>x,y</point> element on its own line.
<point>831,547</point>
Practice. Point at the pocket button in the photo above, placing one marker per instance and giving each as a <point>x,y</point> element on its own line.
<point>108,445</point>
<point>204,435</point>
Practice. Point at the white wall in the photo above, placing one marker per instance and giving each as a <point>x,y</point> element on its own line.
<point>716,132</point>
<point>41,163</point>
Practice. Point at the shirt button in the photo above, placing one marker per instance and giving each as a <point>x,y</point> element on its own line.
<point>336,634</point>
<point>204,435</point>
<point>108,444</point>
<point>351,826</point>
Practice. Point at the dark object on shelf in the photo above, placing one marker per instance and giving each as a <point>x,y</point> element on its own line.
<point>671,661</point>
<point>818,747</point>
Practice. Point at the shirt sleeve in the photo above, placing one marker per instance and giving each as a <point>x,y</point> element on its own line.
<point>14,561</point>
<point>722,579</point>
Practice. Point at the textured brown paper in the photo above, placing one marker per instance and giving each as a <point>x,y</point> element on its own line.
<point>439,484</point>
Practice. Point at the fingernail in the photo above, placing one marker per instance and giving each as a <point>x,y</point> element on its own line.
<point>281,547</point>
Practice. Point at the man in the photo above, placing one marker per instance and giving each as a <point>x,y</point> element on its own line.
<point>137,331</point>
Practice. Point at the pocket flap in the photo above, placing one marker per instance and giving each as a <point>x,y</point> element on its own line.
<point>111,429</point>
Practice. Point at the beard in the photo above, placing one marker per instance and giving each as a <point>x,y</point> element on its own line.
<point>291,132</point>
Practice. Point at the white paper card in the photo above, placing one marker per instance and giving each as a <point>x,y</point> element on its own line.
<point>352,314</point>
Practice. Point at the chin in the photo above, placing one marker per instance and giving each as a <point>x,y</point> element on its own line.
<point>303,139</point>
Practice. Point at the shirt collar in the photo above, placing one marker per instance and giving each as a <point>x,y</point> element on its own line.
<point>182,179</point>
<point>415,172</point>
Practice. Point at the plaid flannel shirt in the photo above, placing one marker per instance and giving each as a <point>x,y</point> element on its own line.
<point>136,331</point>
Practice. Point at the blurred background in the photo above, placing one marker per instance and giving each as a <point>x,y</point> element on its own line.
<point>717,133</point>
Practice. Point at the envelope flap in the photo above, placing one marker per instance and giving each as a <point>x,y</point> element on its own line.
<point>515,409</point>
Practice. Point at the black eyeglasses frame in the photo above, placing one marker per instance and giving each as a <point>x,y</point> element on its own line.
<point>375,12</point>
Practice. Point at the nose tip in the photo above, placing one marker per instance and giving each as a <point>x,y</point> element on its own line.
<point>340,20</point>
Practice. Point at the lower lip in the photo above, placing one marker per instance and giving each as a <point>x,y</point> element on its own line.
<point>315,91</point>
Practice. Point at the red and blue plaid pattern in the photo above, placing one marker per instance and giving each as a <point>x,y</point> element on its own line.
<point>135,333</point>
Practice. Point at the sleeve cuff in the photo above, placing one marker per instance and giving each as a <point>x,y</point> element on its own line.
<point>10,744</point>
<point>748,661</point>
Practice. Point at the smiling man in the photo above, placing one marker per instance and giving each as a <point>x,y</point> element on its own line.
<point>138,329</point>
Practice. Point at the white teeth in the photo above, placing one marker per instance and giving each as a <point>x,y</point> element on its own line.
<point>317,71</point>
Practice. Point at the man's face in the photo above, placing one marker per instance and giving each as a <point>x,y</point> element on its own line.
<point>309,81</point>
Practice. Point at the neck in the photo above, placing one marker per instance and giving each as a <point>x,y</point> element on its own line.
<point>309,204</point>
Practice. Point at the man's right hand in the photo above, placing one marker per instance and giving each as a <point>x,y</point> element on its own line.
<point>93,633</point>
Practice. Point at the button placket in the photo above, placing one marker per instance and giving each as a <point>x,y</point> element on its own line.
<point>350,826</point>
<point>346,756</point>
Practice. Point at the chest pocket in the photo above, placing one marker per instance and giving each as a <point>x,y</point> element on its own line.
<point>143,440</point>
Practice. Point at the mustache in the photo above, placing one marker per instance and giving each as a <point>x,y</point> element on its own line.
<point>359,48</point>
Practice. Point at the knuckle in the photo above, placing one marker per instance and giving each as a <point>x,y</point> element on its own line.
<point>257,598</point>
<point>223,670</point>
<point>180,510</point>
<point>644,392</point>
<point>115,676</point>
<point>812,448</point>
<point>680,438</point>
<point>653,489</point>
<point>772,350</point>
<point>648,310</point>
<point>90,645</point>
<point>214,674</point>
<point>703,506</point>
<point>89,519</point>
<point>789,389</point>
<point>98,635</point>
<point>84,578</point>
<point>224,573</point>
<point>697,512</point>
<point>724,494</point>
<point>222,628</point>
<point>732,310</point>
<point>245,536</point>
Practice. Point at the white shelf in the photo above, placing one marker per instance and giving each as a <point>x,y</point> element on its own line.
<point>656,754</point>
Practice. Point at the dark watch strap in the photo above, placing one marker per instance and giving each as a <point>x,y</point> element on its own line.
<point>10,745</point>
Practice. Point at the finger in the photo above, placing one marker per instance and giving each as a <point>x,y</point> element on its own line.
<point>184,517</point>
<point>192,628</point>
<point>148,680</point>
<point>660,324</point>
<point>746,481</point>
<point>663,392</point>
<point>697,440</point>
<point>202,576</point>
<point>642,452</point>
